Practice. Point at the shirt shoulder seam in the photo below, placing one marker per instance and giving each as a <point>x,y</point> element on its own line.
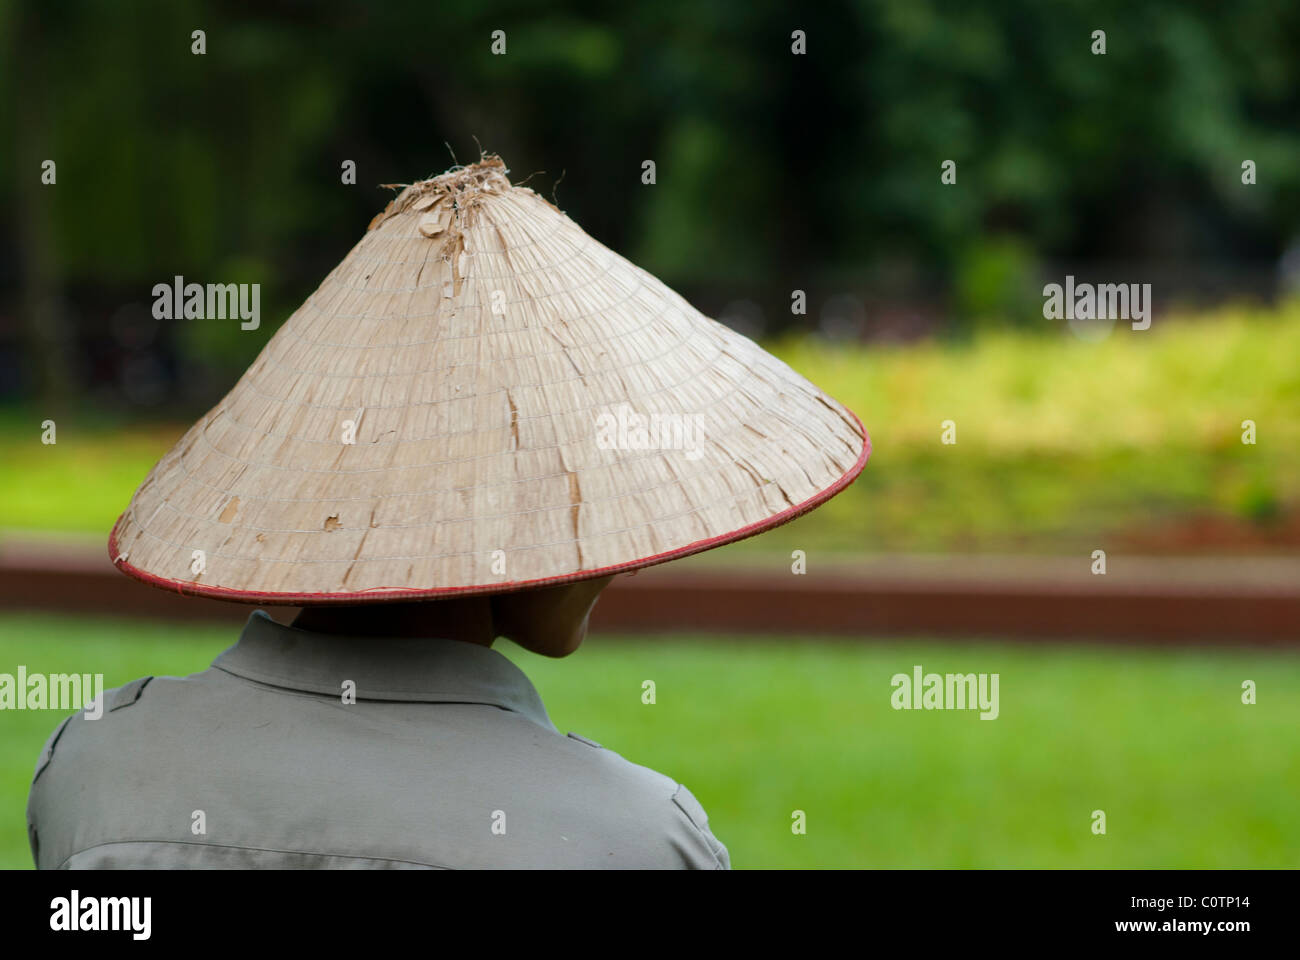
<point>47,754</point>
<point>710,841</point>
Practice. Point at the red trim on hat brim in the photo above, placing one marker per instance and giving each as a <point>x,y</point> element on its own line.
<point>389,594</point>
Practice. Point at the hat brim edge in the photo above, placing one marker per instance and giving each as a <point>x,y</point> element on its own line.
<point>392,594</point>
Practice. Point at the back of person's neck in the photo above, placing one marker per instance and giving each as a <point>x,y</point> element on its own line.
<point>465,618</point>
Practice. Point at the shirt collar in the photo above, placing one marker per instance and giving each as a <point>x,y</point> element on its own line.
<point>418,669</point>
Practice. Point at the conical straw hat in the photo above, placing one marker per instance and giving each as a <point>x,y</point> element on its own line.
<point>482,398</point>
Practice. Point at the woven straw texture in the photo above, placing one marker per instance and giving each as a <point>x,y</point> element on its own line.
<point>482,398</point>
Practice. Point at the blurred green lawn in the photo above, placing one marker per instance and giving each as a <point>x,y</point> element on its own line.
<point>1159,739</point>
<point>1060,443</point>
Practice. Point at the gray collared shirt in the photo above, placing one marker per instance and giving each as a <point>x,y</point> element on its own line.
<point>446,759</point>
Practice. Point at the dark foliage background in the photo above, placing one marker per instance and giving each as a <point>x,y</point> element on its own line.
<point>775,171</point>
